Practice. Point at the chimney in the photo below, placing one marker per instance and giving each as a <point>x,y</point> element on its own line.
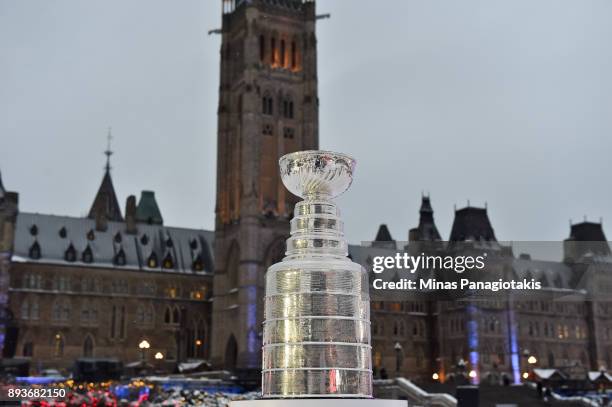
<point>130,215</point>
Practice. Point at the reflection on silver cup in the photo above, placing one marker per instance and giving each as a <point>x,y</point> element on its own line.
<point>316,340</point>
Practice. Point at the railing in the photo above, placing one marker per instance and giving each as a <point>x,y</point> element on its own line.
<point>417,396</point>
<point>584,401</point>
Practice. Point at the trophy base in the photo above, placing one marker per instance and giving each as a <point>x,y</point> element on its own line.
<point>331,402</point>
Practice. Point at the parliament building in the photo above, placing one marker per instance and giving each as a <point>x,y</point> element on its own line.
<point>100,285</point>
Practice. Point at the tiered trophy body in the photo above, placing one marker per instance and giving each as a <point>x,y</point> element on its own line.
<point>316,339</point>
<point>316,334</point>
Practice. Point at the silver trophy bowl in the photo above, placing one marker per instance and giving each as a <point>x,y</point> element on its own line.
<point>317,173</point>
<point>316,339</point>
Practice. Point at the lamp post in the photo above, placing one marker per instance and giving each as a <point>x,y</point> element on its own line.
<point>461,378</point>
<point>526,356</point>
<point>398,357</point>
<point>143,346</point>
<point>532,360</point>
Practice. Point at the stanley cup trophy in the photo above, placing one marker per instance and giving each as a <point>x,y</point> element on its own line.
<point>316,334</point>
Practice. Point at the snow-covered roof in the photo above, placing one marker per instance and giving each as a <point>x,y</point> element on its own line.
<point>54,235</point>
<point>547,373</point>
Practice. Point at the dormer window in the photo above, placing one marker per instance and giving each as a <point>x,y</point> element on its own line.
<point>63,232</point>
<point>91,235</point>
<point>169,242</point>
<point>117,237</point>
<point>87,256</point>
<point>120,257</point>
<point>168,262</point>
<point>70,253</point>
<point>35,250</point>
<point>193,244</point>
<point>34,230</point>
<point>152,261</point>
<point>198,265</point>
<point>144,240</point>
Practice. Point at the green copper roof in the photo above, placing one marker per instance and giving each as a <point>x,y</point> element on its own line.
<point>147,210</point>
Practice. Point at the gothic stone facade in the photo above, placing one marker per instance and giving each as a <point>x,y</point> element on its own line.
<point>268,107</point>
<point>96,287</point>
<point>567,326</point>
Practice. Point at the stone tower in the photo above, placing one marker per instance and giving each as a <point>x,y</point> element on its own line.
<point>8,216</point>
<point>268,107</point>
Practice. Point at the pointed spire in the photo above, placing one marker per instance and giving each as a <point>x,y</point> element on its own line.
<point>105,205</point>
<point>108,151</point>
<point>383,234</point>
<point>427,230</point>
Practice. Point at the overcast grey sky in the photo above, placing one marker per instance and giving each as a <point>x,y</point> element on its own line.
<point>508,102</point>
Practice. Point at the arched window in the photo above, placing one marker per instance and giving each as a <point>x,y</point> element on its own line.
<point>262,48</point>
<point>176,316</point>
<point>288,108</point>
<point>293,55</point>
<point>91,235</point>
<point>282,54</point>
<point>167,316</point>
<point>63,232</point>
<point>88,347</point>
<point>273,51</point>
<point>267,104</point>
<point>144,239</point>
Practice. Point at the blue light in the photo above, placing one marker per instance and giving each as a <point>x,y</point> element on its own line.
<point>514,349</point>
<point>472,332</point>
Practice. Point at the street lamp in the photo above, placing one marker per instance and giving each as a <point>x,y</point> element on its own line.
<point>461,365</point>
<point>143,345</point>
<point>532,360</point>
<point>159,356</point>
<point>398,357</point>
